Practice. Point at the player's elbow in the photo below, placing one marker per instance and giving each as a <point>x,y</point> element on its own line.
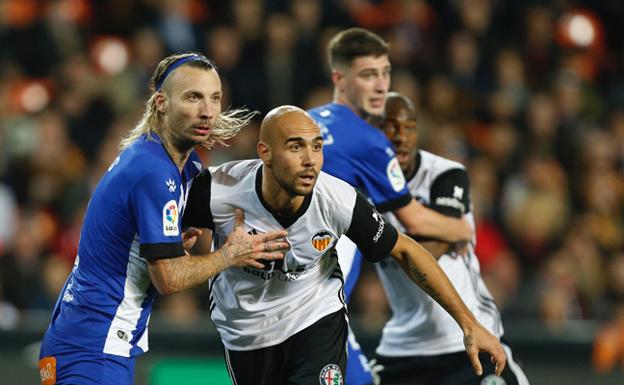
<point>164,289</point>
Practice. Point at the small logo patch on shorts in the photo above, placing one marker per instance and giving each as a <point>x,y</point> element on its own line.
<point>331,375</point>
<point>493,379</point>
<point>47,370</point>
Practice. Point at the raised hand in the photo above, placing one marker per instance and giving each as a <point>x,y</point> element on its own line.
<point>478,339</point>
<point>243,249</point>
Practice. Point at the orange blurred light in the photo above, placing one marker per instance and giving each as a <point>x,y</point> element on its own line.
<point>31,95</point>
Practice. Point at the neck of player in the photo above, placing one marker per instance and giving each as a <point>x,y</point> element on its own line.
<point>281,201</point>
<point>179,152</point>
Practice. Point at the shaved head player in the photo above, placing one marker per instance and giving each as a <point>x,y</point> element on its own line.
<point>284,322</point>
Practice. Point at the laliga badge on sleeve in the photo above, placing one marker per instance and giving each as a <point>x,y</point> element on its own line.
<point>170,219</point>
<point>395,175</point>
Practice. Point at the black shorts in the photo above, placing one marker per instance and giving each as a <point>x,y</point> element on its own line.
<point>315,355</point>
<point>447,369</point>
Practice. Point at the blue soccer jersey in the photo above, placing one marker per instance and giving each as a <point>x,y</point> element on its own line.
<point>134,215</point>
<point>362,156</point>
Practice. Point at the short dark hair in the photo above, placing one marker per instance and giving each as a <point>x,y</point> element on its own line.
<point>352,43</point>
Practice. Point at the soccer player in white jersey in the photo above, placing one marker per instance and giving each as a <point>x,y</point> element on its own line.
<point>421,343</point>
<point>285,322</point>
<point>131,243</point>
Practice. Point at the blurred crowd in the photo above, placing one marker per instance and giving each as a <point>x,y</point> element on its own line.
<point>528,94</point>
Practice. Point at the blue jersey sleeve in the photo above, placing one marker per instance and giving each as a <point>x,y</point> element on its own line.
<point>381,177</point>
<point>157,217</point>
<point>362,156</point>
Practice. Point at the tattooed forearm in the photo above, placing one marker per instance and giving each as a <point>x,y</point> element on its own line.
<point>421,280</point>
<point>181,273</point>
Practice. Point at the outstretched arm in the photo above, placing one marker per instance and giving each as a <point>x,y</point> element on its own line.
<point>422,268</point>
<point>170,275</point>
<point>419,220</point>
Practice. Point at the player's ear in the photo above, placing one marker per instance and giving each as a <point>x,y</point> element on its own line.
<point>264,152</point>
<point>161,102</point>
<point>337,76</point>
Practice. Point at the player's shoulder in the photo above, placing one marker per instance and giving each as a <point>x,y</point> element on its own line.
<point>438,163</point>
<point>231,173</point>
<point>324,111</point>
<point>332,189</point>
<point>143,159</point>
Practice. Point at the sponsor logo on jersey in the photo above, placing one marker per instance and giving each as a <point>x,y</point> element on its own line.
<point>331,375</point>
<point>493,379</point>
<point>170,219</point>
<point>321,240</point>
<point>47,370</point>
<point>451,202</point>
<point>381,224</point>
<point>170,185</point>
<point>395,175</point>
<point>458,192</point>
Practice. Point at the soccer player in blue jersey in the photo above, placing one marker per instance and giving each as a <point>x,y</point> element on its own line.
<point>131,243</point>
<point>361,155</point>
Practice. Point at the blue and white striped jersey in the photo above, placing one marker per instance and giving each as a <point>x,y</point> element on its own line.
<point>134,215</point>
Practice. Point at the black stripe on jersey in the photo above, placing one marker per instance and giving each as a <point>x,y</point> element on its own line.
<point>197,212</point>
<point>337,273</point>
<point>373,236</point>
<point>154,251</point>
<point>211,283</point>
<point>285,221</point>
<point>486,304</point>
<point>394,204</point>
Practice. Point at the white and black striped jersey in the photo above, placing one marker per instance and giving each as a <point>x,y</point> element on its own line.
<point>254,308</point>
<point>419,326</point>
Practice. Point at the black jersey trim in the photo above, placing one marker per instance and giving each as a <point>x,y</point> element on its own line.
<point>441,189</point>
<point>394,204</point>
<point>285,221</point>
<point>197,212</point>
<point>370,232</point>
<point>155,251</point>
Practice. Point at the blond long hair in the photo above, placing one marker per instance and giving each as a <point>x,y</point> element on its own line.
<point>226,125</point>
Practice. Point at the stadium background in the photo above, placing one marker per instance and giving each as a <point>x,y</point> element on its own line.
<point>528,94</point>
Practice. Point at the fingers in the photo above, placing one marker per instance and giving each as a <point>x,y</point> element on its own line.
<point>276,246</point>
<point>255,264</point>
<point>500,360</point>
<point>473,355</point>
<point>273,235</point>
<point>191,232</point>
